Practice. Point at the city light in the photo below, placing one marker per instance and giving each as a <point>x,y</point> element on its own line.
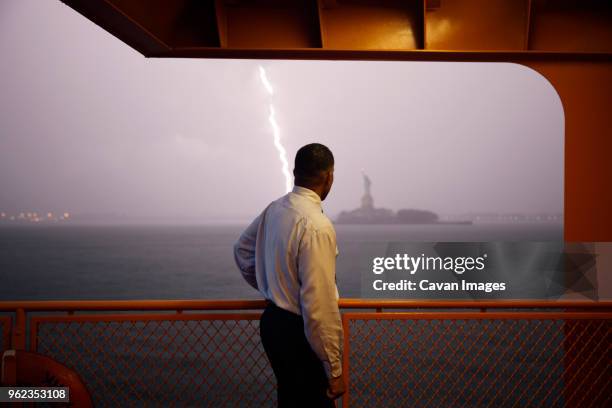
<point>33,217</point>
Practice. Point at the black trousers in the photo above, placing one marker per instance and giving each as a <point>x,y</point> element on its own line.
<point>299,373</point>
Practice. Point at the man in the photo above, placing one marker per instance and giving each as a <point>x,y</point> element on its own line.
<point>288,253</point>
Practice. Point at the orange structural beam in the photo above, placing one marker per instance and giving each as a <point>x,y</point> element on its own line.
<point>568,42</point>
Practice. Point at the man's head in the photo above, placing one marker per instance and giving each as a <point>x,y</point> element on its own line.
<point>314,168</point>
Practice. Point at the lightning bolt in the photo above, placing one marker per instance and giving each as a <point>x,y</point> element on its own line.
<point>282,152</point>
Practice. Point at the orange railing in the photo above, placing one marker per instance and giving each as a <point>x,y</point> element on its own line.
<point>423,354</point>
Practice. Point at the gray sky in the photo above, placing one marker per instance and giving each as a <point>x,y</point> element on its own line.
<point>88,125</point>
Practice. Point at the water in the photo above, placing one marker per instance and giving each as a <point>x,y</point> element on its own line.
<point>187,262</point>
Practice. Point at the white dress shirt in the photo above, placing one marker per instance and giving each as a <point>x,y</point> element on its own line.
<point>289,254</point>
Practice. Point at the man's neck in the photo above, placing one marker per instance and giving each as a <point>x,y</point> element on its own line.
<point>316,189</point>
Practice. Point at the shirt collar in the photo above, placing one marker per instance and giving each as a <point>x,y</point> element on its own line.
<point>306,192</point>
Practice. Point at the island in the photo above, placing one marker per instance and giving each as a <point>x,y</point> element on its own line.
<point>368,214</point>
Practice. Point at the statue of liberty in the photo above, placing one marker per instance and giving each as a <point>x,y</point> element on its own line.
<point>367,214</point>
<point>367,202</point>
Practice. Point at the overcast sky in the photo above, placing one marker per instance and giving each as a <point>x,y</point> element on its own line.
<point>88,125</point>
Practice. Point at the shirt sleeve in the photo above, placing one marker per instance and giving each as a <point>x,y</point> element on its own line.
<point>244,252</point>
<point>319,297</point>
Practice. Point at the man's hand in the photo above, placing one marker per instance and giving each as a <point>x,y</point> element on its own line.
<point>336,387</point>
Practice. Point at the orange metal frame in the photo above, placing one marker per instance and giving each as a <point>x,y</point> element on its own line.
<point>523,315</point>
<point>567,42</point>
<point>137,310</point>
<point>15,331</point>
